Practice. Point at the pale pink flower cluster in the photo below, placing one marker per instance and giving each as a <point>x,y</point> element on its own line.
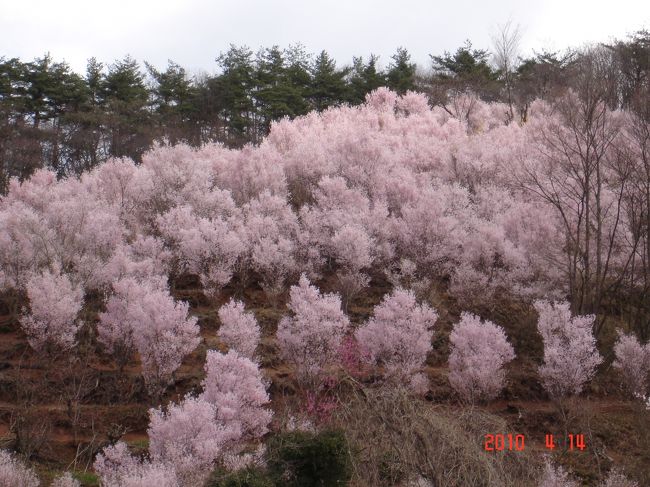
<point>66,480</point>
<point>479,350</point>
<point>54,303</point>
<point>239,329</point>
<point>555,476</point>
<point>570,353</point>
<point>13,473</point>
<point>398,336</point>
<point>117,467</point>
<point>186,440</point>
<point>311,336</point>
<point>143,316</point>
<point>633,362</point>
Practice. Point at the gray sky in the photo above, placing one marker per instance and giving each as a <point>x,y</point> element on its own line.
<point>193,32</point>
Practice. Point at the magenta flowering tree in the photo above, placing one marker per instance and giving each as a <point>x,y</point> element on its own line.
<point>570,354</point>
<point>54,303</point>
<point>479,350</point>
<point>239,329</point>
<point>398,336</point>
<point>310,338</point>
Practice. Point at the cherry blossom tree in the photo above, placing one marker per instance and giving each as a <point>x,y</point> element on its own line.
<point>15,474</point>
<point>352,248</point>
<point>21,251</point>
<point>143,316</point>
<point>188,437</point>
<point>570,354</point>
<point>555,476</point>
<point>615,478</point>
<point>633,362</point>
<point>398,335</point>
<point>207,247</point>
<point>54,303</point>
<point>239,329</point>
<point>479,350</point>
<point>270,229</point>
<point>143,258</point>
<point>234,386</point>
<point>311,336</point>
<point>65,480</point>
<point>116,467</point>
<point>115,326</point>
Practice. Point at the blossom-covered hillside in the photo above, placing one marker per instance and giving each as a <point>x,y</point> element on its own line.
<point>208,301</point>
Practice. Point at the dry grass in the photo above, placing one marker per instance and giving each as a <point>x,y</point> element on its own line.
<point>396,439</point>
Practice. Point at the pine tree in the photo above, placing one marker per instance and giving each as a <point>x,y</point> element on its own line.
<point>328,86</point>
<point>236,84</point>
<point>364,78</point>
<point>401,72</point>
<point>126,98</point>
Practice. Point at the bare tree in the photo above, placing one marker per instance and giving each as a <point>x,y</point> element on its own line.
<point>582,172</point>
<point>506,43</point>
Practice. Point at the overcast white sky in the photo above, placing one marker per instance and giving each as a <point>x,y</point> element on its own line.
<point>193,32</point>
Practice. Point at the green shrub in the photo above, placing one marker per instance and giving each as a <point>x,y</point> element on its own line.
<point>302,459</point>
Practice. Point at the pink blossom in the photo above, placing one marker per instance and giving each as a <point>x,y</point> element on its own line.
<point>239,329</point>
<point>311,336</point>
<point>116,467</point>
<point>188,437</point>
<point>398,336</point>
<point>143,316</point>
<point>570,354</point>
<point>633,362</point>
<point>15,474</point>
<point>54,303</point>
<point>234,386</point>
<point>615,478</point>
<point>479,350</point>
<point>555,476</point>
<point>65,480</point>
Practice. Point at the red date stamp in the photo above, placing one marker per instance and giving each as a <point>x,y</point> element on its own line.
<point>500,442</point>
<point>517,442</point>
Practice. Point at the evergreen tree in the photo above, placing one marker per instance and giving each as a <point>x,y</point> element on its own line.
<point>364,78</point>
<point>272,88</point>
<point>173,97</point>
<point>235,86</point>
<point>465,64</point>
<point>401,72</point>
<point>127,98</point>
<point>466,69</point>
<point>328,86</point>
<point>85,127</point>
<point>298,75</point>
<point>541,76</point>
